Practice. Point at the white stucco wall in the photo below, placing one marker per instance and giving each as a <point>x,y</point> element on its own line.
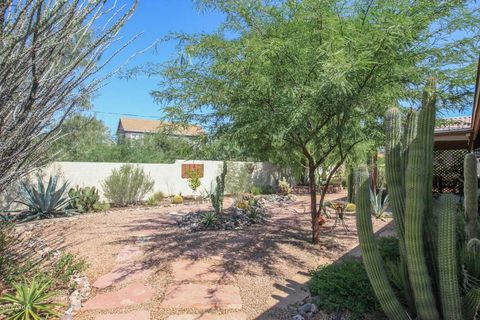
<point>167,177</point>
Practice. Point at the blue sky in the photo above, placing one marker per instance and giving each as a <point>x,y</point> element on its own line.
<point>155,19</point>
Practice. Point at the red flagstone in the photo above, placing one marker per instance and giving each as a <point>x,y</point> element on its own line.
<point>201,270</point>
<point>206,316</point>
<point>135,293</point>
<point>129,252</point>
<point>134,315</point>
<point>122,273</point>
<point>202,296</point>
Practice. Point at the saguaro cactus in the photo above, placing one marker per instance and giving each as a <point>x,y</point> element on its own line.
<point>217,195</point>
<point>427,239</point>
<point>470,196</point>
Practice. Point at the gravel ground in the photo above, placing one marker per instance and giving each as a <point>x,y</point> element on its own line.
<point>267,260</point>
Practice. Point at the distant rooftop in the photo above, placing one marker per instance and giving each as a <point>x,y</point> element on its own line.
<point>151,126</point>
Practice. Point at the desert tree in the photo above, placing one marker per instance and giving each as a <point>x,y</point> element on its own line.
<point>51,55</point>
<point>306,82</point>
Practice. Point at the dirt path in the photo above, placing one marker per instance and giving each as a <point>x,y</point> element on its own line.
<point>142,266</point>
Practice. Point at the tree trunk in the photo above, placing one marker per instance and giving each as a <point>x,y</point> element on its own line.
<point>313,203</point>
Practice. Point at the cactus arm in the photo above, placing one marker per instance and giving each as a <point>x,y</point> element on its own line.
<point>414,215</point>
<point>470,196</point>
<point>370,253</point>
<point>394,168</point>
<point>447,263</point>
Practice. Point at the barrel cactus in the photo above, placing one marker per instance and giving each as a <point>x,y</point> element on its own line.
<point>439,271</point>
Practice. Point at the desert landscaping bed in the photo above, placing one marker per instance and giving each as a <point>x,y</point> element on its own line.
<point>144,250</point>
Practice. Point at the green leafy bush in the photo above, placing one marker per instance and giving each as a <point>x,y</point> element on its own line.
<point>31,300</point>
<point>83,199</point>
<point>194,179</point>
<point>344,286</point>
<point>66,266</point>
<point>177,199</point>
<point>43,201</point>
<point>389,249</point>
<point>256,190</point>
<point>127,185</point>
<point>101,206</point>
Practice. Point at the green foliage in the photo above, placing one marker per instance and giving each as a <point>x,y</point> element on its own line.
<point>344,286</point>
<point>83,199</point>
<point>127,185</point>
<point>258,190</point>
<point>284,187</point>
<point>65,267</point>
<point>209,219</point>
<point>238,180</point>
<point>216,197</point>
<point>389,249</point>
<point>101,206</point>
<point>31,300</point>
<point>194,179</point>
<point>303,83</point>
<point>379,203</point>
<point>156,198</point>
<point>177,199</point>
<point>43,201</point>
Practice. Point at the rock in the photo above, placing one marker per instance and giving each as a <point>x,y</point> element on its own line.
<point>298,317</point>
<point>314,308</point>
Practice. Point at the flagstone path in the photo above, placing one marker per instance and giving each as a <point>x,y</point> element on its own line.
<point>143,267</point>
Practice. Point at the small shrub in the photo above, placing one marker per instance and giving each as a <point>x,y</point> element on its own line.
<point>194,179</point>
<point>350,207</point>
<point>31,300</point>
<point>256,190</point>
<point>389,249</point>
<point>43,201</point>
<point>66,266</point>
<point>284,187</point>
<point>83,199</point>
<point>101,206</point>
<point>268,190</point>
<point>177,199</point>
<point>155,199</point>
<point>209,219</point>
<point>127,185</point>
<point>344,287</point>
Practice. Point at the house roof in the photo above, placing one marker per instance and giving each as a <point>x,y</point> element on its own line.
<point>149,126</point>
<point>453,124</point>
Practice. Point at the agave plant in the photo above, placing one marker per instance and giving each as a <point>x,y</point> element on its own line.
<point>209,219</point>
<point>378,202</point>
<point>43,201</point>
<point>31,301</point>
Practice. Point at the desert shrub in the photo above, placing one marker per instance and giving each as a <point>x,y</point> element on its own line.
<point>83,199</point>
<point>44,201</point>
<point>344,286</point>
<point>177,199</point>
<point>194,179</point>
<point>31,300</point>
<point>242,204</point>
<point>238,179</point>
<point>389,249</point>
<point>101,206</point>
<point>284,187</point>
<point>350,207</point>
<point>127,185</point>
<point>257,190</point>
<point>66,266</point>
<point>156,198</point>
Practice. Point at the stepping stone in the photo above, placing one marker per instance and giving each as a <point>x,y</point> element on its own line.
<point>207,316</point>
<point>134,315</point>
<point>135,293</point>
<point>122,273</point>
<point>129,252</point>
<point>201,270</point>
<point>202,296</point>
